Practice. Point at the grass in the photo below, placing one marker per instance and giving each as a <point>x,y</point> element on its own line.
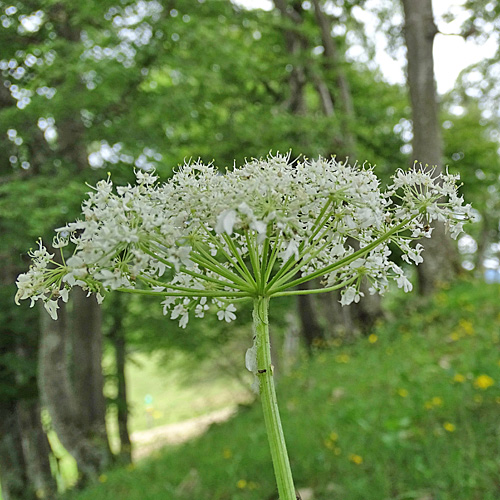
<point>410,412</point>
<point>159,393</point>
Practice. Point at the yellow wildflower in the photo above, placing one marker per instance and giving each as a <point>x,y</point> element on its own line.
<point>241,484</point>
<point>103,478</point>
<point>330,441</point>
<point>466,326</point>
<point>355,459</point>
<point>403,393</point>
<point>372,338</point>
<point>483,382</point>
<point>459,378</point>
<point>435,401</point>
<point>448,426</point>
<point>227,453</point>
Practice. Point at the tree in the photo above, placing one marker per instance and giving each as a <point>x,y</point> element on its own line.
<point>117,338</point>
<point>36,150</point>
<point>441,262</point>
<point>62,401</point>
<point>25,470</point>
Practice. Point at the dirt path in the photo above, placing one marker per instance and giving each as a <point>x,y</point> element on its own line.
<point>148,441</point>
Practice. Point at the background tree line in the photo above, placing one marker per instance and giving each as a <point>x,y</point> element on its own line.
<point>110,86</point>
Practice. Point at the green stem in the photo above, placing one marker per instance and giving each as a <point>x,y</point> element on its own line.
<point>194,293</point>
<point>279,455</point>
<point>240,265</point>
<point>184,269</point>
<point>316,290</point>
<point>277,287</point>
<point>253,253</point>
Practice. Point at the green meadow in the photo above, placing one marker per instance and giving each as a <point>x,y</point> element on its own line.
<point>409,412</point>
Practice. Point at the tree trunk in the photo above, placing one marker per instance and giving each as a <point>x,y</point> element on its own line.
<point>24,449</point>
<point>36,449</point>
<point>295,45</point>
<point>347,147</point>
<point>483,241</point>
<point>364,314</point>
<point>58,396</point>
<point>312,332</point>
<point>13,470</point>
<point>122,402</point>
<point>117,338</point>
<point>86,336</point>
<point>440,256</point>
<point>361,316</point>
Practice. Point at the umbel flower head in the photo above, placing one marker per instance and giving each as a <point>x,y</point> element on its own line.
<point>210,237</point>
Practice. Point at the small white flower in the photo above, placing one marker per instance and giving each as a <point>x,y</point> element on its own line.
<point>184,320</point>
<point>200,309</point>
<point>177,311</point>
<point>350,295</point>
<point>227,314</point>
<point>112,279</point>
<point>258,226</point>
<point>60,240</point>
<point>64,293</point>
<point>225,222</point>
<point>404,283</point>
<point>167,303</point>
<point>184,253</point>
<point>291,249</point>
<point>51,307</point>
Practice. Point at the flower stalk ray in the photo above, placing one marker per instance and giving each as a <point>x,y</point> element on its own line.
<point>258,230</point>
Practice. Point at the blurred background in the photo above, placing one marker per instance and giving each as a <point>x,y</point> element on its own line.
<point>391,399</point>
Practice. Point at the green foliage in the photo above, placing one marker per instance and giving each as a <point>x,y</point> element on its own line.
<point>409,412</point>
<point>471,148</point>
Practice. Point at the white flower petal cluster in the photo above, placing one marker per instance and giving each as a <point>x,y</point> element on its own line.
<point>207,236</point>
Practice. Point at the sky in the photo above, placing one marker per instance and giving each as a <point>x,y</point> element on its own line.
<point>451,53</point>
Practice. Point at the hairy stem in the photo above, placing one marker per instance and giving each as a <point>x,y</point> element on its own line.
<point>267,392</point>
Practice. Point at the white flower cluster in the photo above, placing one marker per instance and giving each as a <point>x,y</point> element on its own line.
<point>207,236</point>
